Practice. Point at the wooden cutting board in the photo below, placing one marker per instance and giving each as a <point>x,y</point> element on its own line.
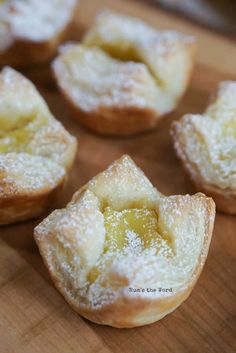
<point>34,317</point>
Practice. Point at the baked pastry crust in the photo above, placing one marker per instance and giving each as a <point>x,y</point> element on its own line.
<point>36,152</point>
<point>206,145</point>
<point>107,282</point>
<point>125,75</point>
<point>30,31</point>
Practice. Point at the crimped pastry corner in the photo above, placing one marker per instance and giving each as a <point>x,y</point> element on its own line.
<point>206,146</point>
<point>121,253</point>
<point>31,30</point>
<point>125,75</point>
<point>36,152</point>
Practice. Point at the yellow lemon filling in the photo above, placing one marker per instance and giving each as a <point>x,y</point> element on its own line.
<point>132,230</point>
<point>118,48</point>
<point>15,136</point>
<point>122,50</point>
<point>124,227</point>
<point>229,128</point>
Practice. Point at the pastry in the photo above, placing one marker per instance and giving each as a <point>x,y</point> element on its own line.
<point>123,254</point>
<point>206,145</point>
<point>125,75</point>
<point>36,152</point>
<point>31,30</point>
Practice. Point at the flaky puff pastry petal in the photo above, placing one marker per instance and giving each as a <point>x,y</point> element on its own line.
<point>36,152</point>
<point>31,30</point>
<point>121,253</point>
<point>206,145</point>
<point>125,75</point>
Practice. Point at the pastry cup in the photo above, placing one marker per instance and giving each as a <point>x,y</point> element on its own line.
<point>36,152</point>
<point>125,75</point>
<point>206,145</point>
<point>121,253</point>
<point>30,31</point>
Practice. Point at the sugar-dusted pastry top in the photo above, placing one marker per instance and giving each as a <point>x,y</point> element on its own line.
<point>207,143</point>
<point>165,53</point>
<point>94,79</point>
<point>26,173</point>
<point>32,20</point>
<point>35,149</point>
<point>118,232</point>
<point>123,62</point>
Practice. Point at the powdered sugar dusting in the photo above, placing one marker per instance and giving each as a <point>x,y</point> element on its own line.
<point>35,20</point>
<point>133,30</point>
<point>33,146</point>
<point>210,139</point>
<point>28,174</point>
<point>93,79</point>
<point>150,240</point>
<point>123,62</point>
<point>132,187</point>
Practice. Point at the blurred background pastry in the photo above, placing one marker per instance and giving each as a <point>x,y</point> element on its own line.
<point>126,75</point>
<point>31,30</point>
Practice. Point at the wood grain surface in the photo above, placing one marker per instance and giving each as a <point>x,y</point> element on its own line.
<point>34,317</point>
<point>219,15</point>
